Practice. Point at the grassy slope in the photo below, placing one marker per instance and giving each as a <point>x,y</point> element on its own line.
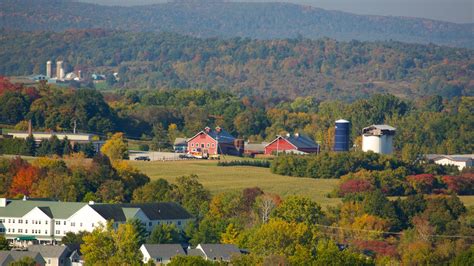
<point>221,179</point>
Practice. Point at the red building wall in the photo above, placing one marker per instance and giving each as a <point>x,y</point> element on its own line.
<point>281,144</point>
<point>203,142</point>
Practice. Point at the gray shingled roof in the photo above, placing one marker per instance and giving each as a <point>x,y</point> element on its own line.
<point>49,251</point>
<point>154,211</point>
<point>196,252</point>
<point>165,251</point>
<point>220,251</point>
<point>18,255</point>
<point>302,142</point>
<point>5,257</point>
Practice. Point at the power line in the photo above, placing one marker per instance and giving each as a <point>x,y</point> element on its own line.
<point>390,233</point>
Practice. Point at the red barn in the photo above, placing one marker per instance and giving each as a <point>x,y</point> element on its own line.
<point>212,142</point>
<point>296,144</point>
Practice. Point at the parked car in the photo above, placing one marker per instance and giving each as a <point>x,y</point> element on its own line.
<point>142,158</point>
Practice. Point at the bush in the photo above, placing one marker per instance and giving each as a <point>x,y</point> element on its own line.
<point>255,163</point>
<point>144,147</point>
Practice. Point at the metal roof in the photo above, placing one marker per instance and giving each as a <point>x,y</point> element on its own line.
<point>342,121</point>
<point>302,142</point>
<point>164,250</point>
<point>454,157</point>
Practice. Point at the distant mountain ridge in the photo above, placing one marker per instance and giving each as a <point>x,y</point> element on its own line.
<point>231,19</point>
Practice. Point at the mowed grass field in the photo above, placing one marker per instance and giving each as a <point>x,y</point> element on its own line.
<point>230,178</point>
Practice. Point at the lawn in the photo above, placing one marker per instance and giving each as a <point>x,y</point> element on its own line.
<point>221,179</point>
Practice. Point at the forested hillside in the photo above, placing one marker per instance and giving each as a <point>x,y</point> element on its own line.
<point>230,19</point>
<point>287,68</point>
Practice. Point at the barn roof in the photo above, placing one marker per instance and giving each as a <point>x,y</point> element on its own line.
<point>220,135</point>
<point>298,141</point>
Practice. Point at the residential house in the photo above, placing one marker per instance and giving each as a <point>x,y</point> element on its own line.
<point>180,145</point>
<point>161,253</point>
<point>48,221</point>
<point>54,255</point>
<point>212,142</point>
<point>297,143</point>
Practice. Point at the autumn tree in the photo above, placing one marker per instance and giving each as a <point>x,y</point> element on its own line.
<point>116,147</point>
<point>300,210</point>
<point>165,234</point>
<point>23,181</point>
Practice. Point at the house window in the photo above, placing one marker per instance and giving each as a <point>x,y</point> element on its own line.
<point>46,222</point>
<point>58,232</point>
<point>26,221</point>
<point>202,145</point>
<point>208,145</point>
<point>20,231</point>
<point>192,144</point>
<point>20,221</point>
<point>13,230</point>
<point>2,230</point>
<point>80,224</point>
<point>213,145</point>
<point>13,221</point>
<point>58,222</point>
<point>26,231</point>
<point>64,222</point>
<point>73,224</point>
<point>2,221</point>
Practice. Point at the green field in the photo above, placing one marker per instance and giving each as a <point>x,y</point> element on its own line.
<point>220,179</point>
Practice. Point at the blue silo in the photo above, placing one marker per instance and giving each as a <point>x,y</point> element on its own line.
<point>341,136</point>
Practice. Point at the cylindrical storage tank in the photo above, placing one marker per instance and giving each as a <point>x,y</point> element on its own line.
<point>372,143</point>
<point>341,136</point>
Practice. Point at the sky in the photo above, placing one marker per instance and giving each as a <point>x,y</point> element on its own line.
<point>459,11</point>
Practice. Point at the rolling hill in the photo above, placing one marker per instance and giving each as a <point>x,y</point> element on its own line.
<point>231,19</point>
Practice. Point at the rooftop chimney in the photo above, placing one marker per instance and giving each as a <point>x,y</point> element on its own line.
<point>218,129</point>
<point>3,202</point>
<point>30,128</point>
<point>207,129</point>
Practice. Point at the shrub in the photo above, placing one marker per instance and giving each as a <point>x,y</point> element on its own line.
<point>255,163</point>
<point>354,186</point>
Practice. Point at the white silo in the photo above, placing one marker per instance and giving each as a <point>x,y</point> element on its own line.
<point>49,72</point>
<point>60,70</point>
<point>378,138</point>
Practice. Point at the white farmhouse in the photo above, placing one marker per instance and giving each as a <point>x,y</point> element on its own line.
<point>48,221</point>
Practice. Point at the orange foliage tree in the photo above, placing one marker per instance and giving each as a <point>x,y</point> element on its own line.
<point>23,180</point>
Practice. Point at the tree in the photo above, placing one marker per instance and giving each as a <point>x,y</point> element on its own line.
<point>106,246</point>
<point>74,239</point>
<point>283,238</point>
<point>23,181</point>
<point>4,243</point>
<point>30,146</point>
<point>25,261</point>
<point>111,191</point>
<point>230,236</point>
<point>190,194</point>
<point>99,247</point>
<point>154,191</point>
<point>300,210</point>
<point>115,148</point>
<point>164,234</point>
<point>190,261</point>
<point>127,248</point>
<point>140,229</point>
<point>265,205</point>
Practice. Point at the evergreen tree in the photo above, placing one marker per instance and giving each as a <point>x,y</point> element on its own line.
<point>30,146</point>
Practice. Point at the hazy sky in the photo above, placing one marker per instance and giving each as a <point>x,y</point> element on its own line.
<point>460,11</point>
